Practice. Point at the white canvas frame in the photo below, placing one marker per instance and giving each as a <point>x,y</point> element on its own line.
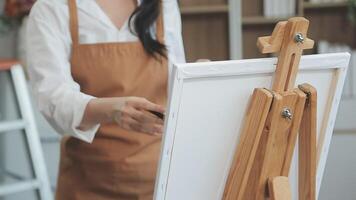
<point>338,63</point>
<point>345,122</point>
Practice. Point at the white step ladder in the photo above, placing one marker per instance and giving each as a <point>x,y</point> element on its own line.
<point>40,182</point>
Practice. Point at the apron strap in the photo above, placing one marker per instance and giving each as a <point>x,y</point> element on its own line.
<point>160,25</point>
<point>73,21</point>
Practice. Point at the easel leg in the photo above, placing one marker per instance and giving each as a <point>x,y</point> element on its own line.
<point>276,144</point>
<point>253,127</point>
<point>307,146</point>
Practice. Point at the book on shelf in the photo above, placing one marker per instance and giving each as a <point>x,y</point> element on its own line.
<point>279,8</point>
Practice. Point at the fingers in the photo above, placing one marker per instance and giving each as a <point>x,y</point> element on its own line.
<point>144,104</point>
<point>128,123</point>
<point>135,115</point>
<point>148,128</point>
<point>145,117</point>
<point>152,130</point>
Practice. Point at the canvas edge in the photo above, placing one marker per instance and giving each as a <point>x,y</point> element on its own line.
<point>332,120</point>
<point>255,66</point>
<point>168,139</point>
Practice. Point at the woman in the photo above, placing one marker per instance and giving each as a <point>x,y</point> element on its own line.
<point>99,69</point>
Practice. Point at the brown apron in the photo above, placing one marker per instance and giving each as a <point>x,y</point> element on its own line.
<point>119,164</point>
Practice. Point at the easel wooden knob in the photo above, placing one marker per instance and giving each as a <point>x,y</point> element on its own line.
<point>274,118</point>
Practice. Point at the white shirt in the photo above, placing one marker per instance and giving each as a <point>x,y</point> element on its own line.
<point>49,42</point>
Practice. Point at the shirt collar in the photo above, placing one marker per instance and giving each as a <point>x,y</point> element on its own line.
<point>91,8</point>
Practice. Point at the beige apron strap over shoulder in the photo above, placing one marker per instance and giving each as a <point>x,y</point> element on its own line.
<point>160,25</point>
<point>73,21</point>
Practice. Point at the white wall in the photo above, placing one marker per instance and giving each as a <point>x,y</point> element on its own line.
<point>339,182</point>
<point>14,148</point>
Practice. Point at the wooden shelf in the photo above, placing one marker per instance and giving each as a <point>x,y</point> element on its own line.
<point>195,10</point>
<point>254,24</point>
<point>254,20</point>
<point>216,9</point>
<point>211,9</point>
<point>261,20</point>
<point>309,5</point>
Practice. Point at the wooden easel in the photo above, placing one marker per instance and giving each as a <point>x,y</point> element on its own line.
<point>272,123</point>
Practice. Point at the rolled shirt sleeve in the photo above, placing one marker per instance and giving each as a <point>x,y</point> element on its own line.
<point>57,95</point>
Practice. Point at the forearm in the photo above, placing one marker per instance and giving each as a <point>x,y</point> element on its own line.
<point>98,111</point>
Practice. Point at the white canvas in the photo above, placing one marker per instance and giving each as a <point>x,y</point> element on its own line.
<point>206,109</point>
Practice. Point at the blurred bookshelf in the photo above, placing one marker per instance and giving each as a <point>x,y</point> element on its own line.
<point>205,29</point>
<point>207,9</point>
<point>205,25</point>
<point>310,5</point>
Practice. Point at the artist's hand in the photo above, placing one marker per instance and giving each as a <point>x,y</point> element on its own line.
<point>132,113</point>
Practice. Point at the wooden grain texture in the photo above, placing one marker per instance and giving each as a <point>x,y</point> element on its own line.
<point>279,188</point>
<point>278,131</point>
<point>198,10</point>
<point>292,138</point>
<point>252,8</point>
<point>251,132</point>
<point>205,29</point>
<point>276,146</point>
<point>201,2</point>
<point>290,54</point>
<point>261,20</point>
<point>206,37</point>
<point>307,146</point>
<point>256,170</point>
<point>325,120</point>
<point>312,5</point>
<point>273,43</point>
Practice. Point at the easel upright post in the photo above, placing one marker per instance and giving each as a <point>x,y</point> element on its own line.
<point>263,158</point>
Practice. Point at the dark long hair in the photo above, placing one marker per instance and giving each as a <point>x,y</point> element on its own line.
<point>145,15</point>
